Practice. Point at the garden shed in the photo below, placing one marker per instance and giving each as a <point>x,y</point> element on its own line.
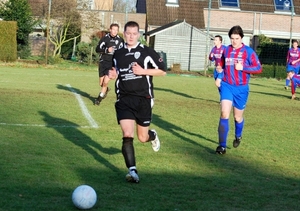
<point>182,44</point>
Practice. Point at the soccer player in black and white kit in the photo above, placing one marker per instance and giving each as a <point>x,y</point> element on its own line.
<point>134,67</point>
<point>106,47</point>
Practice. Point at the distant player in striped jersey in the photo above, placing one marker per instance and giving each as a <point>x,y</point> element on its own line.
<point>216,56</point>
<point>239,62</point>
<point>295,82</point>
<point>292,61</point>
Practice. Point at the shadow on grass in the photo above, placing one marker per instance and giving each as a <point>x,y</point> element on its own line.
<point>171,128</point>
<point>272,94</point>
<point>78,91</point>
<point>183,94</point>
<point>70,132</point>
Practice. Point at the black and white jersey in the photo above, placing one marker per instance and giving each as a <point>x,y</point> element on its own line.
<point>106,42</point>
<point>127,82</point>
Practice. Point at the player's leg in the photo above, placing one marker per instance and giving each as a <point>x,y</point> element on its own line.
<point>103,79</point>
<point>143,119</point>
<point>126,120</point>
<point>239,126</point>
<point>287,80</point>
<point>239,104</point>
<point>105,89</point>
<point>226,97</point>
<point>223,127</point>
<point>127,126</point>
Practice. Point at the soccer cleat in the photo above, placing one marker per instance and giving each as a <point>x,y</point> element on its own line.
<point>107,90</point>
<point>132,176</point>
<point>155,143</point>
<point>221,150</point>
<point>286,87</point>
<point>237,141</point>
<point>98,100</point>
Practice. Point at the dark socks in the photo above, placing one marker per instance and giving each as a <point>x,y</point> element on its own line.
<point>151,135</point>
<point>128,152</point>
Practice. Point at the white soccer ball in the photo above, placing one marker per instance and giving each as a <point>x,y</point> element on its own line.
<point>84,197</point>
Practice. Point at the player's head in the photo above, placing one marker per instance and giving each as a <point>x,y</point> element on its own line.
<point>236,30</point>
<point>295,43</point>
<point>131,33</point>
<point>218,40</point>
<point>114,29</point>
<point>236,35</point>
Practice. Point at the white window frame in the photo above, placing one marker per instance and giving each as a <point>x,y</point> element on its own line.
<point>172,3</point>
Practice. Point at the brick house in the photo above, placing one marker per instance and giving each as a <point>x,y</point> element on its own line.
<point>278,19</point>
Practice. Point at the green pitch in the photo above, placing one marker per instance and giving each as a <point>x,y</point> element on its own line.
<point>53,139</point>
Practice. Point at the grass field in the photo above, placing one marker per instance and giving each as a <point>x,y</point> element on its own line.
<point>53,139</point>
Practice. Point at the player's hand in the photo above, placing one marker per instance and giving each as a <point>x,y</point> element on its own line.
<point>218,82</point>
<point>111,49</point>
<point>112,74</point>
<point>219,68</point>
<point>238,66</point>
<point>137,69</point>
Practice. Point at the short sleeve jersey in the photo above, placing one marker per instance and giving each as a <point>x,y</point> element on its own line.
<point>217,55</point>
<point>293,55</point>
<point>249,60</point>
<point>106,42</point>
<point>127,82</point>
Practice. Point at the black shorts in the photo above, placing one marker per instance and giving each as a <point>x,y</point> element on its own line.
<point>104,67</point>
<point>136,108</point>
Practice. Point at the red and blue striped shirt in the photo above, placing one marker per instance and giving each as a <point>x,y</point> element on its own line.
<point>293,55</point>
<point>249,60</point>
<point>295,81</point>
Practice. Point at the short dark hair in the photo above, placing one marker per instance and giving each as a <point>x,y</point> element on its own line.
<point>294,41</point>
<point>113,24</point>
<point>220,37</point>
<point>236,30</point>
<point>131,24</point>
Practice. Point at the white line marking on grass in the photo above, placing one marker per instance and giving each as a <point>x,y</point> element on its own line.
<point>84,109</point>
<point>36,125</point>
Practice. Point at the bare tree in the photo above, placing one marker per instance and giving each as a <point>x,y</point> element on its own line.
<point>123,5</point>
<point>66,24</point>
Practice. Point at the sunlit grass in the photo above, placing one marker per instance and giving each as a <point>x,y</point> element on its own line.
<point>48,148</point>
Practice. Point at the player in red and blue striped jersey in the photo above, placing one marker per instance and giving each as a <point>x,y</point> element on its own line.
<point>295,82</point>
<point>239,62</point>
<point>292,61</point>
<point>215,55</point>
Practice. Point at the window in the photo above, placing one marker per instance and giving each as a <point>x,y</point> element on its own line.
<point>229,3</point>
<point>172,3</point>
<point>283,5</point>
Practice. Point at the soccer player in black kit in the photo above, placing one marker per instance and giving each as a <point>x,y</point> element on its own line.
<point>106,47</point>
<point>134,67</point>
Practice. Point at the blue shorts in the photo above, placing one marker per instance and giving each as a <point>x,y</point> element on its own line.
<point>290,68</point>
<point>237,94</point>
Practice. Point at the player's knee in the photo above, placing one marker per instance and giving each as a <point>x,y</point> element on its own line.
<point>225,115</point>
<point>238,118</point>
<point>143,137</point>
